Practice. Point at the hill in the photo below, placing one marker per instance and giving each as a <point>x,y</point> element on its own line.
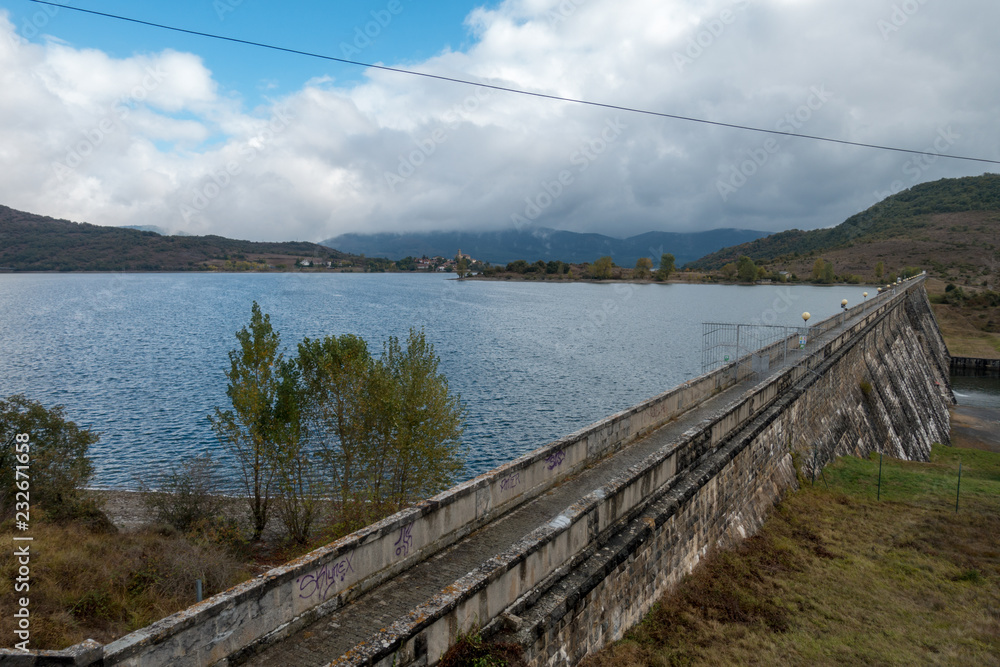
<point>948,226</point>
<point>502,247</point>
<point>31,242</point>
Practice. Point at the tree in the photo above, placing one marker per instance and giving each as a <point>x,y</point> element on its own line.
<point>57,451</point>
<point>601,269</point>
<point>388,429</point>
<point>519,266</point>
<point>340,402</point>
<point>425,448</point>
<point>300,485</point>
<point>667,266</point>
<point>746,270</point>
<point>879,270</point>
<point>817,272</point>
<point>261,389</point>
<point>643,265</point>
<point>462,267</point>
<point>729,271</point>
<point>822,271</point>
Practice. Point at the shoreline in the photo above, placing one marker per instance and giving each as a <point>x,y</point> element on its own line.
<point>628,281</point>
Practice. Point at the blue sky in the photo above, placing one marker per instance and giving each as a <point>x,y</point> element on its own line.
<point>405,31</point>
<point>120,124</point>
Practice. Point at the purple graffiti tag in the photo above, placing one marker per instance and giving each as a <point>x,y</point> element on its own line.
<point>511,482</point>
<point>321,582</point>
<point>555,460</point>
<point>405,542</point>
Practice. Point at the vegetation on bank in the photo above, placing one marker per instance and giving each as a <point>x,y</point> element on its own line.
<point>836,576</point>
<point>86,579</point>
<point>742,271</point>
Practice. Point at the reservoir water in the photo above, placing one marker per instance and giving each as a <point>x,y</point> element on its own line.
<point>976,391</point>
<point>141,358</point>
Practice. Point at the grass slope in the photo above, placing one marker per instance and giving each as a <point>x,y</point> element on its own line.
<point>837,577</point>
<point>31,242</point>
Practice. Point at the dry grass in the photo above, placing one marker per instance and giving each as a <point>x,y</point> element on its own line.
<point>836,577</point>
<point>957,247</point>
<point>961,330</point>
<point>471,651</point>
<point>101,586</point>
<point>967,331</point>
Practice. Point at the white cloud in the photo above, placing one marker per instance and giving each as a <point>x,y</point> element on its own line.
<point>152,140</point>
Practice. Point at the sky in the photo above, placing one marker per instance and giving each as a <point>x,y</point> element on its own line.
<point>116,123</point>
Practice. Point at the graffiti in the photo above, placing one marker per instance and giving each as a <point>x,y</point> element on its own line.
<point>405,541</point>
<point>322,581</point>
<point>555,460</point>
<point>511,482</point>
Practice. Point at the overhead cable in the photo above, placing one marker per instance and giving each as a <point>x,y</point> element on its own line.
<point>516,91</point>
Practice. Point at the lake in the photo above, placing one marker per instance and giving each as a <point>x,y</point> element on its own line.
<point>141,357</point>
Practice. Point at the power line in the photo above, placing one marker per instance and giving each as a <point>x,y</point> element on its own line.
<point>516,91</point>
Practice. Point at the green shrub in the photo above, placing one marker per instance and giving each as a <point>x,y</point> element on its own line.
<point>185,495</point>
<point>57,456</point>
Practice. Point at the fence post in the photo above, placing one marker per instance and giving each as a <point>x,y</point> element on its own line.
<point>958,493</point>
<point>879,496</point>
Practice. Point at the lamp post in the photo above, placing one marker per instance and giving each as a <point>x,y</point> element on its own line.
<point>843,307</point>
<point>865,309</point>
<point>804,336</point>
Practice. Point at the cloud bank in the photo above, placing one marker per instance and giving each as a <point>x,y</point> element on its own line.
<point>154,139</point>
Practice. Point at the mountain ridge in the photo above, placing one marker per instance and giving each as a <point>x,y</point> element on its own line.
<point>505,246</point>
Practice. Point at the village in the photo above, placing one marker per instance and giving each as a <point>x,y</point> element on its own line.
<point>424,263</point>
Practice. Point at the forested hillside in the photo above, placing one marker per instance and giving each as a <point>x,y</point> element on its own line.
<point>931,224</point>
<point>31,242</point>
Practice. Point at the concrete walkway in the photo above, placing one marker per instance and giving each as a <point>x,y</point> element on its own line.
<point>333,635</point>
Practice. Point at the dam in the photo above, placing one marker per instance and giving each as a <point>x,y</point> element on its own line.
<point>567,547</point>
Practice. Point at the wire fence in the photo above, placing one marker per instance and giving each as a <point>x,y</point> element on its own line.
<point>726,343</point>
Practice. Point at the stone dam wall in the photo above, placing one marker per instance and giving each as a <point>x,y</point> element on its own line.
<point>882,388</point>
<point>581,581</point>
<point>572,586</point>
